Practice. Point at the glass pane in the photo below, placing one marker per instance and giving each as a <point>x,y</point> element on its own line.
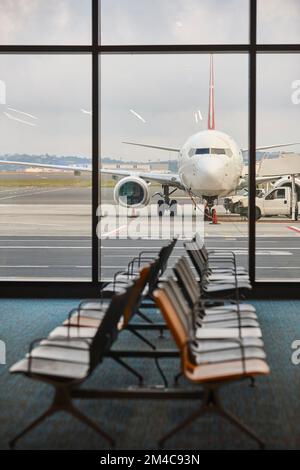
<point>278,22</point>
<point>163,101</point>
<point>278,108</point>
<point>174,21</point>
<point>45,118</point>
<point>45,22</point>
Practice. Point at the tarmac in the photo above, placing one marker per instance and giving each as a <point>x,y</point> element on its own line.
<point>46,234</point>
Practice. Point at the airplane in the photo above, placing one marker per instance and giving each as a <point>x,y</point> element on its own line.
<point>210,166</point>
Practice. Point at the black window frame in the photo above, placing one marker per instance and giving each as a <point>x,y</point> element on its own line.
<point>95,50</point>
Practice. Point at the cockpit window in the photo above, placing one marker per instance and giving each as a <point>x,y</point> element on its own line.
<point>202,151</point>
<point>210,151</point>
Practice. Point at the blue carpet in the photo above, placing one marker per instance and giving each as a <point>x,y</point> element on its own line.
<point>272,408</point>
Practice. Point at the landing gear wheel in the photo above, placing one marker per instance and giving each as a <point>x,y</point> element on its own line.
<point>173,208</point>
<point>160,207</point>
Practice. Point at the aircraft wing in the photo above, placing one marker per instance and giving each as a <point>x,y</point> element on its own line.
<point>46,165</point>
<point>273,146</point>
<point>170,179</point>
<point>157,147</point>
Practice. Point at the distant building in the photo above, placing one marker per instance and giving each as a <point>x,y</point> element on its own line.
<point>39,170</point>
<point>147,167</point>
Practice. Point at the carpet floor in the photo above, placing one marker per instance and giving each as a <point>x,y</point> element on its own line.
<point>272,408</point>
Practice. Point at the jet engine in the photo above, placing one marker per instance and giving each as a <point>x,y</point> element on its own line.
<point>132,191</point>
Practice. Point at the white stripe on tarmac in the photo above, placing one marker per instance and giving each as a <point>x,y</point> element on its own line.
<point>48,247</point>
<point>33,193</point>
<point>264,253</point>
<point>278,267</point>
<point>35,225</point>
<point>113,232</point>
<point>126,256</point>
<point>44,266</point>
<point>44,239</point>
<point>114,267</point>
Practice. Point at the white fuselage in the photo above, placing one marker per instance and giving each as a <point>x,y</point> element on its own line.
<point>210,164</point>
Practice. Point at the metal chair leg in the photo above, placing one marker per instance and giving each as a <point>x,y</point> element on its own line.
<point>143,339</point>
<point>84,419</point>
<point>161,372</point>
<point>204,409</point>
<point>62,402</point>
<point>161,334</point>
<point>218,408</point>
<point>212,404</point>
<point>32,425</point>
<point>252,382</point>
<point>129,369</point>
<point>177,377</point>
<point>236,422</point>
<point>144,317</point>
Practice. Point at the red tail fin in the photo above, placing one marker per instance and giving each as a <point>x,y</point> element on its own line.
<point>211,109</point>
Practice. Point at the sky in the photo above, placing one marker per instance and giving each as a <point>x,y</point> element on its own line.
<point>197,21</point>
<point>165,91</point>
<point>45,22</point>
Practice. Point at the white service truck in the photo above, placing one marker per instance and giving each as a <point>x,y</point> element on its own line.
<point>278,201</point>
<point>232,203</point>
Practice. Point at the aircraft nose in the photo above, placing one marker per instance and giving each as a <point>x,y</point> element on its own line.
<point>211,173</point>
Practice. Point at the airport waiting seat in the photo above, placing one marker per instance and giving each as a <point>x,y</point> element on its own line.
<point>89,308</point>
<point>219,261</point>
<point>159,262</point>
<point>222,365</point>
<point>223,285</point>
<point>92,315</point>
<point>229,310</point>
<point>226,267</point>
<point>83,325</point>
<point>71,352</point>
<point>197,323</point>
<point>65,362</point>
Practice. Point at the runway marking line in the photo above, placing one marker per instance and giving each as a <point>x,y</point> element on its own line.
<point>113,232</point>
<point>45,266</point>
<point>34,224</point>
<point>113,267</point>
<point>279,268</point>
<point>28,193</point>
<point>48,247</point>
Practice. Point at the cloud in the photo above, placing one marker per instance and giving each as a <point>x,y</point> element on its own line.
<point>166,90</point>
<point>54,88</point>
<point>278,22</point>
<point>45,22</point>
<point>174,21</point>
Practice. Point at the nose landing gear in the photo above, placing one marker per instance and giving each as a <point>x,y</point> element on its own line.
<point>166,204</point>
<point>210,212</point>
